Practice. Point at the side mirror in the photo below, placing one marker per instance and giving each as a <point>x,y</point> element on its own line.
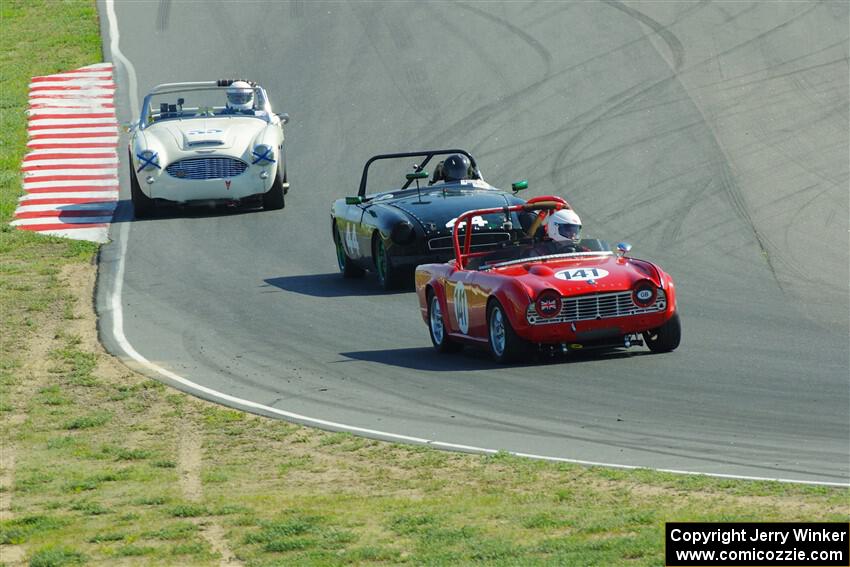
<point>284,117</point>
<point>354,200</point>
<point>421,174</point>
<point>623,248</point>
<point>519,185</point>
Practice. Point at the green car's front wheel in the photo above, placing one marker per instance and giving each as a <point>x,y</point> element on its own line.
<point>388,275</point>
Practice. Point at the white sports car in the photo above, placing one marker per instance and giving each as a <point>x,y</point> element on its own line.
<point>206,143</point>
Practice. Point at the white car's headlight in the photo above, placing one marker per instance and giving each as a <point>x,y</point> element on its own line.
<point>148,160</point>
<point>263,154</point>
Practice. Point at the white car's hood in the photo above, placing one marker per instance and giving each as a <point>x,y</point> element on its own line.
<point>219,133</point>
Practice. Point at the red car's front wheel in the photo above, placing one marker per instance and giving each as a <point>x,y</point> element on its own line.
<point>505,345</point>
<point>666,337</point>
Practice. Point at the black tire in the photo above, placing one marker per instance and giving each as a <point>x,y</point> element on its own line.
<point>346,265</point>
<point>273,198</point>
<point>389,277</point>
<point>143,206</point>
<point>666,337</point>
<point>505,346</point>
<point>437,327</point>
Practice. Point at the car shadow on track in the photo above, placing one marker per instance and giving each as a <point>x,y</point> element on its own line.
<point>124,212</point>
<point>331,285</point>
<point>471,359</point>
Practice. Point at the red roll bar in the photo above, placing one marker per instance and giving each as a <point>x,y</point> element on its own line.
<point>545,205</point>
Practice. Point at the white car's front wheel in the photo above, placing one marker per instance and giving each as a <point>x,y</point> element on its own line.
<point>143,206</point>
<point>273,199</point>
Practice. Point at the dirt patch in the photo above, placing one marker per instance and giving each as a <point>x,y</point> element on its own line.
<point>215,536</point>
<point>79,321</point>
<point>9,554</point>
<point>34,376</point>
<point>8,454</point>
<point>190,458</point>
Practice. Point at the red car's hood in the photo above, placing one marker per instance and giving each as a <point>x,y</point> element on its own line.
<point>579,275</point>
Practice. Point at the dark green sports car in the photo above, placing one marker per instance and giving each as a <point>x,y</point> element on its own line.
<point>392,231</point>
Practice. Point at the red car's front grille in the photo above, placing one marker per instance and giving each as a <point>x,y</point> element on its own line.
<point>597,306</point>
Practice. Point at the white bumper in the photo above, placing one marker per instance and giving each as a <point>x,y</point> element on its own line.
<point>161,185</point>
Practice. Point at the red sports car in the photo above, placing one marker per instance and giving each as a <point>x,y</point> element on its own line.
<point>535,293</point>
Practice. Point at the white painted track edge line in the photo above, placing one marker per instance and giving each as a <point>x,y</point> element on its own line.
<point>114,301</point>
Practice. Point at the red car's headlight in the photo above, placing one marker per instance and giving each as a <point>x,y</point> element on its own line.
<point>644,293</point>
<point>548,303</point>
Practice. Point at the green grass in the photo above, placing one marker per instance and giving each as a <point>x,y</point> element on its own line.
<point>57,556</point>
<point>20,529</point>
<point>98,466</point>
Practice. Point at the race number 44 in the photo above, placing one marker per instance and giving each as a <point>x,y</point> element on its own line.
<point>477,220</point>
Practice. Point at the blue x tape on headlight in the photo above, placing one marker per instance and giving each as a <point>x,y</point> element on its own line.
<point>148,160</point>
<point>263,155</point>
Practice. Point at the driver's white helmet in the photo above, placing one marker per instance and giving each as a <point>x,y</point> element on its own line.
<point>240,96</point>
<point>564,225</point>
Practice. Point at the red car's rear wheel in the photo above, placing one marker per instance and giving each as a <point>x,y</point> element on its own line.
<point>437,326</point>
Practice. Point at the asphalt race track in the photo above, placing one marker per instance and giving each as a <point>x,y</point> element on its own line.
<point>711,136</point>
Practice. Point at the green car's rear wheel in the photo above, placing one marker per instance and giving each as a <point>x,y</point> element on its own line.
<point>346,265</point>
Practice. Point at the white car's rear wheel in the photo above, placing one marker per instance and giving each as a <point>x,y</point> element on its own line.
<point>437,326</point>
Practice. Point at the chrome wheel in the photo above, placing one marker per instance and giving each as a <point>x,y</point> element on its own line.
<point>437,329</point>
<point>497,332</point>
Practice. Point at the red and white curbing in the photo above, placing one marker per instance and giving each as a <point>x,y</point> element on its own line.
<point>71,170</point>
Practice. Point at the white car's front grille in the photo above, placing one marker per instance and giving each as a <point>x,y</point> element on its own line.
<point>207,168</point>
<point>598,306</point>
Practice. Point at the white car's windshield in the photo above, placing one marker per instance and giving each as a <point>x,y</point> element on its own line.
<point>197,103</point>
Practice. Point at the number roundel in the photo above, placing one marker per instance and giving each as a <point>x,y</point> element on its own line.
<point>461,308</point>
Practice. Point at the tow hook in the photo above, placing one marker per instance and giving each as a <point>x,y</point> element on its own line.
<point>632,340</point>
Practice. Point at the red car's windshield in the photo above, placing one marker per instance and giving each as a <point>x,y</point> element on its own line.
<point>534,250</point>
